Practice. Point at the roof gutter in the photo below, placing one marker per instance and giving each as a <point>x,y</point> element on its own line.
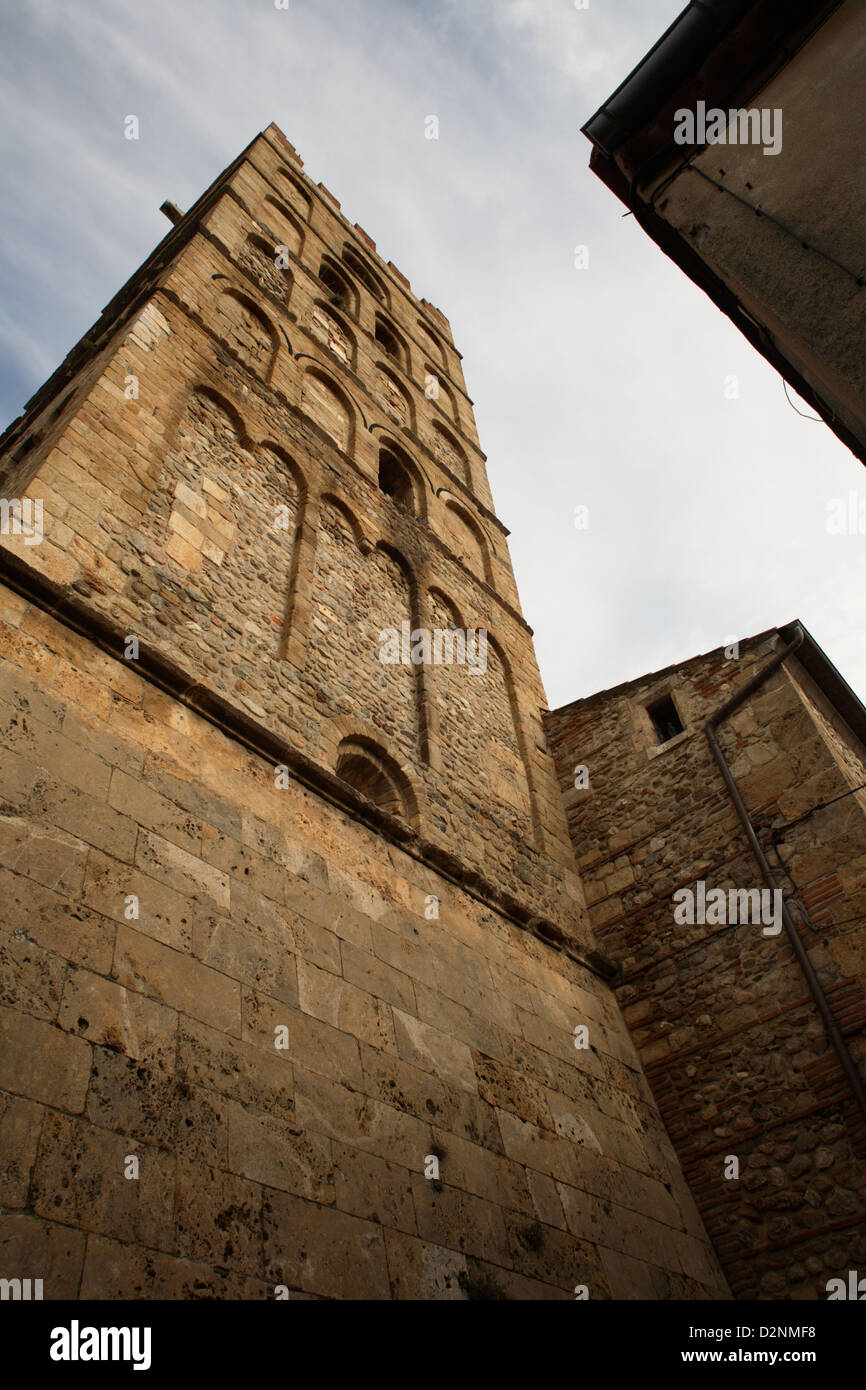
<point>671,60</point>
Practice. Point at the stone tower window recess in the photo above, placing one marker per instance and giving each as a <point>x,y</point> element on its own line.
<point>372,772</point>
<point>395,482</point>
<point>364,274</point>
<point>665,719</point>
<point>336,286</point>
<point>389,340</point>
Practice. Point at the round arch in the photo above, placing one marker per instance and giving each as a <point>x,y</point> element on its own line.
<point>328,405</point>
<point>346,737</point>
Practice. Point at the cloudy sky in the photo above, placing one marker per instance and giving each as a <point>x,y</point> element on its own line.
<point>601,387</point>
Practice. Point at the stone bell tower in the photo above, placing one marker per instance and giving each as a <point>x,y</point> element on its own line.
<point>282,462</point>
<point>274,741</point>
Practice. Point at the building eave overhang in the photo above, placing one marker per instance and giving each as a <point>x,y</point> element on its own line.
<point>671,61</point>
<point>718,51</point>
<point>818,665</point>
<point>721,52</point>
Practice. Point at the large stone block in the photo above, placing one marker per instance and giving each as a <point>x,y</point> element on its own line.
<point>372,1189</point>
<point>20,1126</point>
<point>31,980</point>
<point>323,1251</point>
<point>81,1178</point>
<point>358,1121</point>
<point>419,1270</point>
<point>40,1062</point>
<point>280,1153</point>
<point>242,1071</point>
<point>50,857</point>
<point>333,1000</point>
<point>113,1270</point>
<point>245,950</point>
<point>155,1107</point>
<point>165,915</point>
<point>34,1249</point>
<point>184,872</point>
<point>377,978</point>
<point>148,808</point>
<point>175,979</point>
<point>459,1221</point>
<point>219,1219</point>
<point>434,1051</point>
<point>397,1083</point>
<point>313,1043</point>
<point>111,1016</point>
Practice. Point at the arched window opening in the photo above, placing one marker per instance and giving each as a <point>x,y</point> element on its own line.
<point>260,259</point>
<point>370,781</point>
<point>395,482</point>
<point>432,340</point>
<point>436,390</point>
<point>665,718</point>
<point>338,290</point>
<point>449,452</point>
<point>290,234</point>
<point>371,772</point>
<point>295,195</point>
<point>394,398</point>
<point>389,341</point>
<point>364,274</point>
<point>246,331</point>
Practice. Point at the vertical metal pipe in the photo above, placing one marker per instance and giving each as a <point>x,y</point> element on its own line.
<point>834,1034</point>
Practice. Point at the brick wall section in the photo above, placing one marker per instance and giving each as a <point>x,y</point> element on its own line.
<point>258,908</point>
<point>721,1014</point>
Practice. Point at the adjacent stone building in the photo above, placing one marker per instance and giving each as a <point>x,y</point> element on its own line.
<point>764,209</point>
<point>737,143</point>
<point>724,1020</point>
<point>300,989</point>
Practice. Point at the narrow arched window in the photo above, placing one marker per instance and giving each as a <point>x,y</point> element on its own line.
<point>387,337</point>
<point>431,340</point>
<point>247,332</point>
<point>367,768</point>
<point>369,780</point>
<point>363,273</point>
<point>395,482</point>
<point>466,542</point>
<point>339,291</point>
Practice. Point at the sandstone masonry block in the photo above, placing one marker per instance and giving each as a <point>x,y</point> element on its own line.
<point>40,1062</point>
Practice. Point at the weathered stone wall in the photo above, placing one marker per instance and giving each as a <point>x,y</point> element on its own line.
<point>215,487</point>
<point>721,1014</point>
<point>259,908</point>
<point>175,902</point>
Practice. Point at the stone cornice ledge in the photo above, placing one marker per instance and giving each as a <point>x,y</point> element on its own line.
<point>110,637</point>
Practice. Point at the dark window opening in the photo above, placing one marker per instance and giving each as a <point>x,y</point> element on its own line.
<point>370,780</point>
<point>388,340</point>
<point>666,719</point>
<point>364,275</point>
<point>394,481</point>
<point>339,295</point>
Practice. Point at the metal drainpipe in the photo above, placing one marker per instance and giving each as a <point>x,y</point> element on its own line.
<point>849,1067</point>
